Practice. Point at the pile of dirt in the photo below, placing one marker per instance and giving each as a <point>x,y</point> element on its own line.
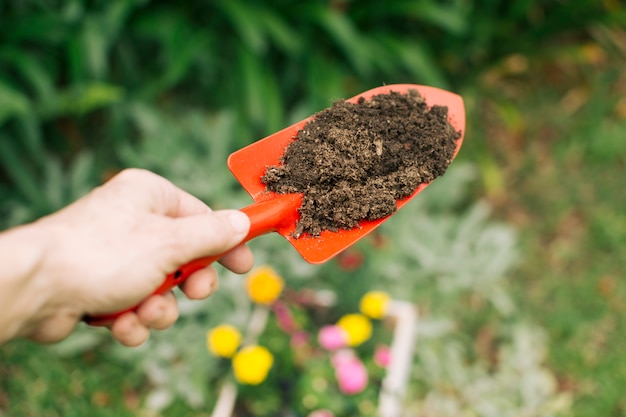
<point>354,161</point>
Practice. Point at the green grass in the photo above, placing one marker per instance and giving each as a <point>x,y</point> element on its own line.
<point>553,164</point>
<point>34,382</point>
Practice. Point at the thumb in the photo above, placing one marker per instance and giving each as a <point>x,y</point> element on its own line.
<point>209,234</point>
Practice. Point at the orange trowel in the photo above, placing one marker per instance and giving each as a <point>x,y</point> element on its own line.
<point>273,212</point>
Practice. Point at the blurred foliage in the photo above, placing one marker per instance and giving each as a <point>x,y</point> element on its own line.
<point>72,72</point>
<point>552,149</point>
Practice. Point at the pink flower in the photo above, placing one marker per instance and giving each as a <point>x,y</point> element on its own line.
<point>342,357</point>
<point>299,339</point>
<point>300,347</point>
<point>284,318</point>
<point>382,356</point>
<point>350,372</point>
<point>332,337</point>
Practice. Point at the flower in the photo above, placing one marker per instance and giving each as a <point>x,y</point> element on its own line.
<point>374,304</point>
<point>350,260</point>
<point>382,356</point>
<point>284,317</point>
<point>223,340</point>
<point>252,364</point>
<point>350,372</point>
<point>299,339</point>
<point>264,285</point>
<point>332,337</point>
<point>342,357</point>
<point>357,326</point>
<point>300,347</point>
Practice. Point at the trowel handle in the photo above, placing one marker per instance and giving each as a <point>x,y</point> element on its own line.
<point>265,216</point>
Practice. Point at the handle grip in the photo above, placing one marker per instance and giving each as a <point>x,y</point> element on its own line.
<point>265,216</point>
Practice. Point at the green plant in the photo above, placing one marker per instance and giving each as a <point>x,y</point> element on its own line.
<point>71,71</point>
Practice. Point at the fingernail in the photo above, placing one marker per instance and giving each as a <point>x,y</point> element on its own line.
<point>239,221</point>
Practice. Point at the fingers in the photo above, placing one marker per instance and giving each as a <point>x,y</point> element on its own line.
<point>129,331</point>
<point>239,260</point>
<point>204,235</point>
<point>201,284</point>
<point>158,194</point>
<point>54,328</point>
<point>157,312</point>
<point>195,231</point>
<point>204,282</point>
<point>161,311</point>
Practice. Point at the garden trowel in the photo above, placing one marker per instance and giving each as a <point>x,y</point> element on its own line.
<point>273,212</point>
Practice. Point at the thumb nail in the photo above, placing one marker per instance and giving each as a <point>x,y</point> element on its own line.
<point>239,222</point>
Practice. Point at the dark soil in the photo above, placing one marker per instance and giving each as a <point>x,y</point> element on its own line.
<point>354,161</point>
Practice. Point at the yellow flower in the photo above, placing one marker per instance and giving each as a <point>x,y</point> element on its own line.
<point>357,326</point>
<point>374,304</point>
<point>252,364</point>
<point>223,340</point>
<point>264,285</point>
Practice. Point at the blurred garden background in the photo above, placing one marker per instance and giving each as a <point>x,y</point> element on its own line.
<point>514,259</point>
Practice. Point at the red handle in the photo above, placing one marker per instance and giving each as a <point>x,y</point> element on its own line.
<point>266,216</point>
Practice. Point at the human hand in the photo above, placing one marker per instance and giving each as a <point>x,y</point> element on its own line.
<point>111,249</point>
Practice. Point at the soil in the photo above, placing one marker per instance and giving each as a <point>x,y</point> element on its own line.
<point>353,162</point>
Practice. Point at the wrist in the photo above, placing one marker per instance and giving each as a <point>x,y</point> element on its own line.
<point>30,292</point>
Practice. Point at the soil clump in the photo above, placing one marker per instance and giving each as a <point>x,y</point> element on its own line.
<point>353,162</point>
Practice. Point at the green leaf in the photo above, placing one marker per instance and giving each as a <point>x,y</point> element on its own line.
<point>30,69</point>
<point>180,47</point>
<point>29,130</point>
<point>182,50</point>
<point>112,19</point>
<point>46,28</point>
<point>262,103</point>
<point>98,30</point>
<point>54,186</point>
<point>244,19</point>
<point>345,34</point>
<point>12,102</point>
<point>94,44</point>
<point>418,61</point>
<point>450,16</point>
<point>24,180</point>
<point>83,98</point>
<point>325,81</point>
<point>287,39</point>
<point>81,175</point>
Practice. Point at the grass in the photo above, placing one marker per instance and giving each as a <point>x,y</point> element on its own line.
<point>37,383</point>
<point>551,138</point>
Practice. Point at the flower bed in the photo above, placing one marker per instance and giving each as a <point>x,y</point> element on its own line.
<point>354,348</point>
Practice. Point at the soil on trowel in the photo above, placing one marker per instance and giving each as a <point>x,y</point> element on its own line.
<point>353,162</point>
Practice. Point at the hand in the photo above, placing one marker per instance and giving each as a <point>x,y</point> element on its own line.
<point>111,249</point>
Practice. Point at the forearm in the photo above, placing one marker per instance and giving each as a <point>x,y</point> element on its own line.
<point>26,293</point>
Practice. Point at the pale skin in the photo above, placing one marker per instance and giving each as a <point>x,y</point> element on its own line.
<point>109,251</point>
